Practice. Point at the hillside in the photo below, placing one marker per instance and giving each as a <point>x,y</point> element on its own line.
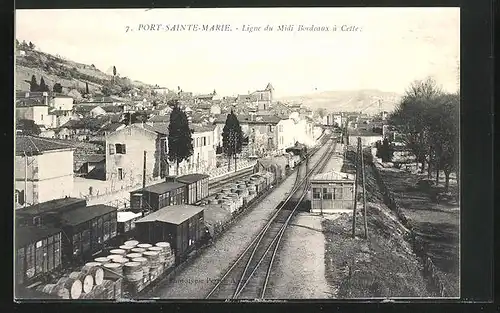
<point>350,100</point>
<point>70,74</point>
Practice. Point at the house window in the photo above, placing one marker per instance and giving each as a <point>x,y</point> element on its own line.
<point>316,193</point>
<point>111,148</point>
<point>204,141</point>
<point>165,146</point>
<point>120,148</point>
<point>19,197</point>
<point>120,174</point>
<point>338,193</point>
<point>41,117</point>
<point>327,194</point>
<point>271,128</point>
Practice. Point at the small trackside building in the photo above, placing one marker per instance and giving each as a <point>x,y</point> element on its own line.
<point>183,226</point>
<point>331,192</point>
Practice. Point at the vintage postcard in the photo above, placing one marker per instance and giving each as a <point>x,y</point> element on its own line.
<point>237,154</point>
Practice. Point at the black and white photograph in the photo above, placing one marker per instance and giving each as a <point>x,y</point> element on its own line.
<point>237,154</point>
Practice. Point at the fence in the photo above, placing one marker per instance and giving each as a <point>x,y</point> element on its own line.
<point>429,269</point>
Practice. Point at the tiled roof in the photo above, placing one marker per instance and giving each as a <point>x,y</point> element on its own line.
<point>174,214</point>
<point>36,145</point>
<point>160,119</point>
<point>113,108</point>
<point>30,102</point>
<point>202,128</point>
<point>84,108</point>
<point>94,158</point>
<point>160,128</point>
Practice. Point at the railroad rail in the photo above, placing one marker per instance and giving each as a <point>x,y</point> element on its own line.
<point>248,277</point>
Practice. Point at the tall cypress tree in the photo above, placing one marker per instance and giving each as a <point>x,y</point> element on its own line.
<point>180,142</point>
<point>86,88</point>
<point>232,138</point>
<point>43,87</point>
<point>33,84</point>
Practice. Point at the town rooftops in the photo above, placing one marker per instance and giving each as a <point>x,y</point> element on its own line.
<point>197,128</point>
<point>25,235</point>
<point>113,108</point>
<point>81,215</point>
<point>174,214</point>
<point>159,128</point>
<point>31,145</point>
<point>161,188</point>
<point>160,119</point>
<point>191,178</point>
<point>56,205</point>
<point>332,176</point>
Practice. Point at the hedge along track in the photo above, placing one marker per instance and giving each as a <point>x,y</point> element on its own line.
<point>246,278</point>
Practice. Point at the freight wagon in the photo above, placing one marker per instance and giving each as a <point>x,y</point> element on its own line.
<point>87,231</point>
<point>154,197</point>
<point>196,186</point>
<point>181,225</point>
<point>38,252</point>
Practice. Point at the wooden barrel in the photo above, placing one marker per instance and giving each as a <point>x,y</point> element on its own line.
<point>54,290</point>
<point>144,264</point>
<point>133,255</point>
<point>113,270</point>
<point>144,245</point>
<point>73,285</point>
<point>117,251</point>
<point>111,257</point>
<point>166,247</point>
<point>98,292</point>
<point>138,250</point>
<point>86,279</point>
<point>161,253</point>
<point>95,270</point>
<point>132,271</point>
<point>153,258</point>
<point>131,243</point>
<point>109,289</point>
<point>121,260</point>
<point>102,260</point>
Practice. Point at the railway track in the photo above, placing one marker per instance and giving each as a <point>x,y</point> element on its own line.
<point>248,277</point>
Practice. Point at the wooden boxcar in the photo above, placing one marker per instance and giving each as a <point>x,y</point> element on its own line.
<point>38,252</point>
<point>86,231</point>
<point>181,225</point>
<point>45,212</point>
<point>158,196</point>
<point>196,187</point>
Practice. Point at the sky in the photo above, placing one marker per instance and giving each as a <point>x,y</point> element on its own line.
<point>391,48</point>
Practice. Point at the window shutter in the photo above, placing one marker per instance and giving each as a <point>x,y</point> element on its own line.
<point>124,150</point>
<point>111,148</point>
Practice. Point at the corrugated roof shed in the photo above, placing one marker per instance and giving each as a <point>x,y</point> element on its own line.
<point>25,235</point>
<point>36,145</point>
<point>162,187</point>
<point>191,178</point>
<point>174,214</point>
<point>84,214</point>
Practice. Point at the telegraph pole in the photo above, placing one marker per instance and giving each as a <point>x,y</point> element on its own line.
<point>355,191</point>
<point>364,187</point>
<point>144,171</point>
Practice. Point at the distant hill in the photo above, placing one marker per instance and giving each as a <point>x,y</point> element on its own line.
<point>70,74</point>
<point>348,100</point>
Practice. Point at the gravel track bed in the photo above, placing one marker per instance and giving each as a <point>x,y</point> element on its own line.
<point>196,280</point>
<point>299,268</point>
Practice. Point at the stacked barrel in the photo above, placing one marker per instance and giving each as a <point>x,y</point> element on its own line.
<point>90,282</point>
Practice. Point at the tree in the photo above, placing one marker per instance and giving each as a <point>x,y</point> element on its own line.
<point>87,88</point>
<point>31,46</point>
<point>43,87</point>
<point>386,151</point>
<point>321,112</point>
<point>412,117</point>
<point>180,142</point>
<point>57,88</point>
<point>33,84</point>
<point>232,138</point>
<point>114,73</point>
<point>17,44</point>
